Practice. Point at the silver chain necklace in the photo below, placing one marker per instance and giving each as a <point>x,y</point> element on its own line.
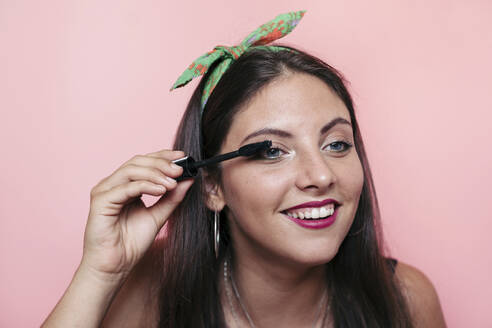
<point>243,307</point>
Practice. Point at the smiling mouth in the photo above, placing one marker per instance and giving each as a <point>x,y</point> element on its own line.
<point>312,213</point>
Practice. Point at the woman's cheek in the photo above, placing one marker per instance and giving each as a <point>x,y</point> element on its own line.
<point>350,174</point>
<point>357,174</point>
<point>256,188</point>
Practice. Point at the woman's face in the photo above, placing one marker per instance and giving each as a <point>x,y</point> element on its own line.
<point>309,162</point>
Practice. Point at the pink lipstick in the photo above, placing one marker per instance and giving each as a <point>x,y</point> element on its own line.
<point>315,204</point>
<point>315,223</point>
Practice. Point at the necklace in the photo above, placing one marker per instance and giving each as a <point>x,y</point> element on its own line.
<point>243,307</point>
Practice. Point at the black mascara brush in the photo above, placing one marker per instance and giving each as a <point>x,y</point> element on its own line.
<point>190,166</point>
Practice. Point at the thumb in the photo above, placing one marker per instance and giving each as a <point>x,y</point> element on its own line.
<point>163,208</point>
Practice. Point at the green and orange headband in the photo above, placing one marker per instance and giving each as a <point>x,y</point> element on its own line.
<point>275,29</point>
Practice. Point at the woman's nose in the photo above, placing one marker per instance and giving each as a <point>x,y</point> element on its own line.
<point>314,172</point>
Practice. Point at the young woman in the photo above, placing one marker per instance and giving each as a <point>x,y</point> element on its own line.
<point>287,237</point>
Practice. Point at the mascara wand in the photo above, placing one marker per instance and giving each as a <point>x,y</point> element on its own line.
<point>190,166</point>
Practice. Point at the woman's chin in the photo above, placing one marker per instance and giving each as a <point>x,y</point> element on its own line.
<point>310,257</point>
<point>317,258</point>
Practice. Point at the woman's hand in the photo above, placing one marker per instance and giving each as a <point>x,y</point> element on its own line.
<point>120,228</point>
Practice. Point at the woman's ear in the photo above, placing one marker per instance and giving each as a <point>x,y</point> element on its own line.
<point>214,198</point>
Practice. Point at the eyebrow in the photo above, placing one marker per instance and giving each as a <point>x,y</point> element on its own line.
<point>284,134</point>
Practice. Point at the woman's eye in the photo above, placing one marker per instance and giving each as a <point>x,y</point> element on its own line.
<point>340,146</point>
<point>271,153</point>
<point>274,153</point>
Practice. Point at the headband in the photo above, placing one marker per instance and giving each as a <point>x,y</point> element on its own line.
<point>275,29</point>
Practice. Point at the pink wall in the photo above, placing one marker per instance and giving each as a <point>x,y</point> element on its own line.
<point>84,87</point>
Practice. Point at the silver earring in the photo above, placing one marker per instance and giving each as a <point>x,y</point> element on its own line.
<point>216,233</point>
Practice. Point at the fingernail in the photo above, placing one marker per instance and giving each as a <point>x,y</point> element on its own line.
<point>175,166</point>
<point>159,188</point>
<point>170,180</point>
<point>163,180</point>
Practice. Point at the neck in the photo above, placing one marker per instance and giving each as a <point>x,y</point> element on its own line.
<point>275,293</point>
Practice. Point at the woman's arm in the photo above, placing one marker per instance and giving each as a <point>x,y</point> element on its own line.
<point>422,297</point>
<point>120,230</point>
<point>132,303</point>
<point>85,301</point>
<point>136,304</point>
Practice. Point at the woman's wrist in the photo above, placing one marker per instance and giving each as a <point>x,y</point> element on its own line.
<point>86,300</point>
<point>105,280</point>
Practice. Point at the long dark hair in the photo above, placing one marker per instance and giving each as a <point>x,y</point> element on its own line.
<point>363,289</point>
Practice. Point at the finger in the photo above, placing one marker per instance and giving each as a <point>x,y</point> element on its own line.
<point>165,165</point>
<point>113,200</point>
<point>167,154</point>
<point>158,171</point>
<point>136,173</point>
<point>163,208</point>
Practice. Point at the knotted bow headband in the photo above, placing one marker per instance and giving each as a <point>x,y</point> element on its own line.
<point>275,29</point>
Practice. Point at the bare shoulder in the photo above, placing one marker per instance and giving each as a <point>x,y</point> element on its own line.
<point>421,296</point>
<point>135,305</point>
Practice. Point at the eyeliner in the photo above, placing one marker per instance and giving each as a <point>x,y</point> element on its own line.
<point>190,166</point>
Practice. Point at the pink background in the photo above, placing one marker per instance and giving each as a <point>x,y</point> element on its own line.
<point>84,86</point>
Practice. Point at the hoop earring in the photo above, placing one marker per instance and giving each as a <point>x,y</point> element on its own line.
<point>216,233</point>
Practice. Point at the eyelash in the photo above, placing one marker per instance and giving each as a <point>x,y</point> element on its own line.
<point>262,155</point>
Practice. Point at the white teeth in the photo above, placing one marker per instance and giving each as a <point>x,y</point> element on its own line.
<point>314,213</point>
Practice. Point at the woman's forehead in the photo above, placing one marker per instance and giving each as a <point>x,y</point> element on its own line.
<point>299,101</point>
